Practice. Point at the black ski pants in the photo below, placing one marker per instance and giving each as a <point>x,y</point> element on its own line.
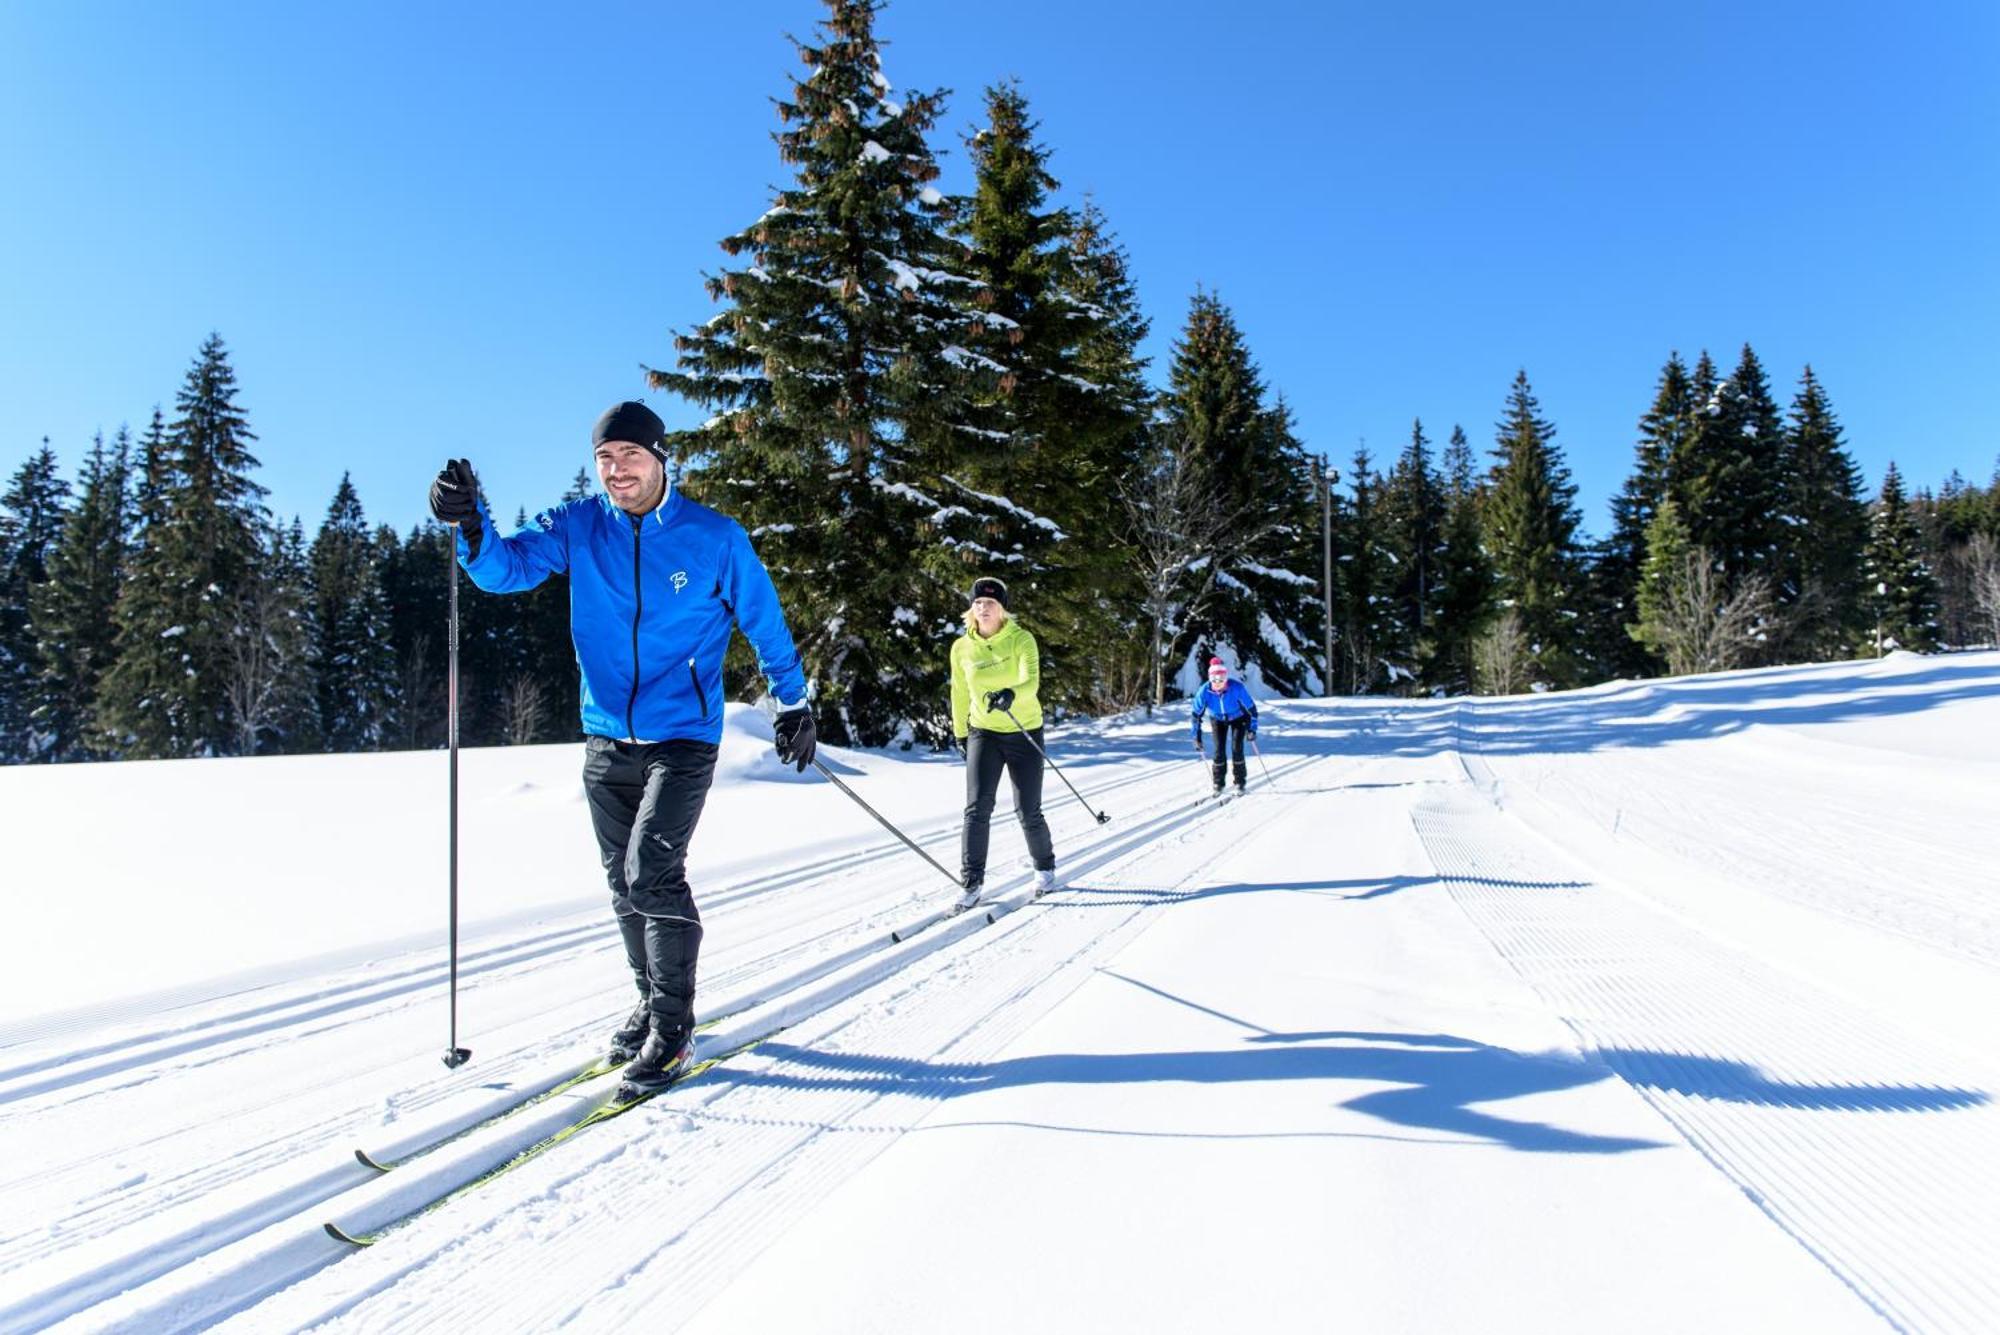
<point>1229,733</point>
<point>645,798</point>
<point>986,754</point>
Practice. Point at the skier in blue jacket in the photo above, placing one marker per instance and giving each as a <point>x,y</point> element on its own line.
<point>1234,716</point>
<point>656,583</point>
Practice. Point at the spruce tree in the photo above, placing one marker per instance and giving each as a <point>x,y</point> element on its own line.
<point>1415,513</point>
<point>1466,579</point>
<point>1662,577</point>
<point>1665,433</point>
<point>1366,605</point>
<point>414,579</point>
<point>1530,524</point>
<point>353,660</point>
<point>1048,435</point>
<point>1735,475</point>
<point>1266,614</point>
<point>32,515</point>
<point>1900,592</point>
<point>1109,449</point>
<point>72,612</point>
<point>273,706</point>
<point>1825,527</point>
<point>168,694</point>
<point>846,361</point>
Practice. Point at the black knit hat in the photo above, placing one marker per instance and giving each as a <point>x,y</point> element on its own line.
<point>633,421</point>
<point>988,587</point>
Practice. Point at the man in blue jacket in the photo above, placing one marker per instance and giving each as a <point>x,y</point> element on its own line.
<point>1234,713</point>
<point>656,581</point>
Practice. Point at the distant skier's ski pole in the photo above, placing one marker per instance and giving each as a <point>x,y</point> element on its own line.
<point>882,820</point>
<point>1101,817</point>
<point>454,1055</point>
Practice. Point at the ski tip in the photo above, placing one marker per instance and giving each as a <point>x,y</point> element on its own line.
<point>339,1234</point>
<point>368,1161</point>
<point>895,938</point>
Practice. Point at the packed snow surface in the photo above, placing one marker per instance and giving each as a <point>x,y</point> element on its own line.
<point>1660,1006</point>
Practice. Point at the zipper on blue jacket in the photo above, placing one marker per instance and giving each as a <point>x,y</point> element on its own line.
<point>699,693</point>
<point>638,606</point>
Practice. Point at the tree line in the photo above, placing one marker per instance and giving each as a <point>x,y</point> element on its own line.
<point>909,388</point>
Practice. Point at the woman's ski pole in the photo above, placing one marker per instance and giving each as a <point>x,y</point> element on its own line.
<point>1009,712</point>
<point>1260,757</point>
<point>454,1055</point>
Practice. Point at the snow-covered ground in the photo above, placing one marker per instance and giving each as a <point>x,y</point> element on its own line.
<point>1657,1006</point>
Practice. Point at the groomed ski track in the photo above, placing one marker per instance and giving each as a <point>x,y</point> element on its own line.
<point>1471,947</point>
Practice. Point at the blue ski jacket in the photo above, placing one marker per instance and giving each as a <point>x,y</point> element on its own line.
<point>1234,703</point>
<point>651,602</point>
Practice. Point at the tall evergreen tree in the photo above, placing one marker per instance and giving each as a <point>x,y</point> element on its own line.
<point>354,661</point>
<point>1366,605</point>
<point>72,612</point>
<point>273,706</point>
<point>1266,614</point>
<point>414,578</point>
<point>1530,522</point>
<point>1415,513</point>
<point>1466,579</point>
<point>1735,474</point>
<point>1825,527</point>
<point>847,359</point>
<point>168,692</point>
<point>32,513</point>
<point>1047,435</point>
<point>1665,433</point>
<point>1901,593</point>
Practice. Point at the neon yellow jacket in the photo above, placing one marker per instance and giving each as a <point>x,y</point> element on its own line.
<point>1012,659</point>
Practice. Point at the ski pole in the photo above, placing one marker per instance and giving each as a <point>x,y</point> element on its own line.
<point>1260,757</point>
<point>454,1055</point>
<point>881,820</point>
<point>1009,712</point>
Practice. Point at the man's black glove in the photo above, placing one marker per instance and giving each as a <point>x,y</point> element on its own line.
<point>455,500</point>
<point>1000,701</point>
<point>795,737</point>
<point>964,749</point>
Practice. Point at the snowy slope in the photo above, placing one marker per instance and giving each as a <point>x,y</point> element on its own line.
<point>1657,1006</point>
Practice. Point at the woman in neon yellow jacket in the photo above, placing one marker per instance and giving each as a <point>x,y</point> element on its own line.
<point>997,719</point>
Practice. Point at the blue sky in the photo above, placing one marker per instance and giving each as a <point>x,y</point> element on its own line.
<point>440,229</point>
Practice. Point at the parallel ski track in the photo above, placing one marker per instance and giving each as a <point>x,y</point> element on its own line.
<point>244,1220</point>
<point>1876,1152</point>
<point>731,1160</point>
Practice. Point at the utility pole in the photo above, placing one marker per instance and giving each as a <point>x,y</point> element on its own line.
<point>1323,479</point>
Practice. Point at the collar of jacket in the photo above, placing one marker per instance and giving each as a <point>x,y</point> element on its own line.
<point>661,514</point>
<point>1008,629</point>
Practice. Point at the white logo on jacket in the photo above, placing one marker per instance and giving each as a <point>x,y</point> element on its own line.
<point>680,579</point>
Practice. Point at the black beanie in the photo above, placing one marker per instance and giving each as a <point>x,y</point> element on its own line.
<point>633,421</point>
<point>989,587</point>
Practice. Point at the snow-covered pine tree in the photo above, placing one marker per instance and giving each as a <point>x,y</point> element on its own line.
<point>1530,524</point>
<point>1265,617</point>
<point>1665,431</point>
<point>270,677</point>
<point>1735,473</point>
<point>1414,514</point>
<point>840,372</point>
<point>1825,528</point>
<point>1365,600</point>
<point>1466,579</point>
<point>1109,444</point>
<point>413,579</point>
<point>168,692</point>
<point>1048,436</point>
<point>1900,593</point>
<point>72,622</point>
<point>353,659</point>
<point>32,514</point>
